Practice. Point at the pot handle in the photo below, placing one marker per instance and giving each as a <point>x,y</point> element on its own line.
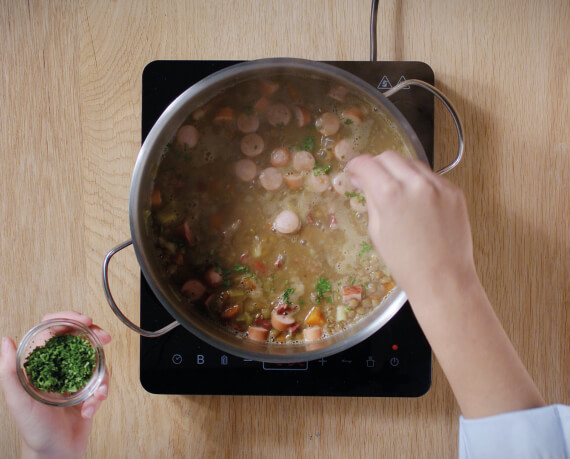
<point>115,308</point>
<point>443,98</point>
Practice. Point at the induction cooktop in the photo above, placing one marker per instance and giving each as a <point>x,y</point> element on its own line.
<point>394,362</point>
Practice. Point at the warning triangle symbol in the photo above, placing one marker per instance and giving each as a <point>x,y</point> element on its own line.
<point>384,83</point>
<point>403,78</point>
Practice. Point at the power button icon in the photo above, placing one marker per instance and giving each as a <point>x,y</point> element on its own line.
<point>176,359</point>
<point>394,361</point>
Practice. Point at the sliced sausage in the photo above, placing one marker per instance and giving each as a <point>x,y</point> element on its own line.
<point>328,123</point>
<point>287,222</point>
<point>318,183</point>
<point>252,145</point>
<point>193,289</point>
<point>353,114</point>
<point>246,170</point>
<point>271,179</point>
<point>338,92</point>
<point>213,278</point>
<point>247,123</point>
<point>302,115</point>
<point>281,322</point>
<point>258,334</point>
<point>293,181</point>
<point>278,115</point>
<point>280,157</point>
<point>312,333</point>
<point>344,151</point>
<point>303,161</point>
<point>342,184</point>
<point>187,135</point>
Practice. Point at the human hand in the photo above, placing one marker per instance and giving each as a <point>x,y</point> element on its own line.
<point>50,431</point>
<point>418,221</point>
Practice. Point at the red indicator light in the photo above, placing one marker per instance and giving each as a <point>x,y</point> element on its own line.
<point>395,347</point>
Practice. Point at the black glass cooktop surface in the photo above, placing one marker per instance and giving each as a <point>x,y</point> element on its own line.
<point>394,362</point>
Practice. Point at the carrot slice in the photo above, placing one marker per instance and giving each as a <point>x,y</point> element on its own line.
<point>315,317</point>
<point>231,311</point>
<point>156,198</point>
<point>259,267</point>
<point>225,114</point>
<point>268,87</point>
<point>261,105</point>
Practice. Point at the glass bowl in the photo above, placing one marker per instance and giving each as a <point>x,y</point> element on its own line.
<point>38,336</point>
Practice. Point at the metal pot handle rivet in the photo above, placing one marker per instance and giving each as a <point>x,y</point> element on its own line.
<point>443,98</point>
<point>115,308</point>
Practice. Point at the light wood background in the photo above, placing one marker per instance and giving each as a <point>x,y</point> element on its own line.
<point>70,93</point>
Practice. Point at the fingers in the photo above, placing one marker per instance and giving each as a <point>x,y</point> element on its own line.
<point>92,404</point>
<point>73,315</point>
<point>101,334</point>
<point>15,395</point>
<point>85,320</point>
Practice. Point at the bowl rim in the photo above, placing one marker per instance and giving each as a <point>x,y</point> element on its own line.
<point>52,398</point>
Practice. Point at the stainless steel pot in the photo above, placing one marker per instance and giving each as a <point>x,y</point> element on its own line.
<point>141,187</point>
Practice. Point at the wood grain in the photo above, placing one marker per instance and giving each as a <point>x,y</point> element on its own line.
<point>70,87</point>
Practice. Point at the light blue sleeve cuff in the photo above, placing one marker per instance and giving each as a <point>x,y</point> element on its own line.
<point>537,433</point>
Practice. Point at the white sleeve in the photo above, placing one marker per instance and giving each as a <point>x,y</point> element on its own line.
<point>536,433</point>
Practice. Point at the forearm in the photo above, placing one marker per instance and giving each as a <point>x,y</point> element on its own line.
<point>481,365</point>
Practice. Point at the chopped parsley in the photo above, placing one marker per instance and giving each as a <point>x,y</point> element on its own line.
<point>307,144</point>
<point>365,247</point>
<point>347,122</point>
<point>321,170</point>
<point>354,194</point>
<point>286,295</point>
<point>64,364</point>
<point>323,286</point>
<point>245,270</point>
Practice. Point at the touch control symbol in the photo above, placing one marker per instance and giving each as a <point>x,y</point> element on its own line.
<point>370,362</point>
<point>394,361</point>
<point>200,360</point>
<point>176,359</point>
<point>224,360</point>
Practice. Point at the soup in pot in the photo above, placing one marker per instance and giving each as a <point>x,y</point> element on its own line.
<point>256,221</point>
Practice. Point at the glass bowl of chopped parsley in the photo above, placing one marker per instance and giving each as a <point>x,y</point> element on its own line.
<point>61,362</point>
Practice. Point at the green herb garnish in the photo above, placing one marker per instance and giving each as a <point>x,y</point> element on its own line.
<point>242,269</point>
<point>307,144</point>
<point>365,247</point>
<point>347,121</point>
<point>323,286</point>
<point>286,295</point>
<point>321,170</point>
<point>64,364</point>
<point>354,194</point>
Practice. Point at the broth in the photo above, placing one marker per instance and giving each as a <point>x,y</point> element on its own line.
<point>255,220</point>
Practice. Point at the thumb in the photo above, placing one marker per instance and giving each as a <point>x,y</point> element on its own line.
<point>16,396</point>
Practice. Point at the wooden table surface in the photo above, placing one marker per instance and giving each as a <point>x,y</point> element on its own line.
<point>70,115</point>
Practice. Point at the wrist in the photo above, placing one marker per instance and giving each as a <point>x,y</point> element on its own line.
<point>447,287</point>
